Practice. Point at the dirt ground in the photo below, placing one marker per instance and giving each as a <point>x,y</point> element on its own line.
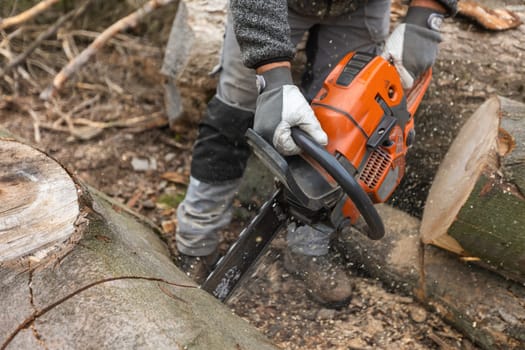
<point>108,127</point>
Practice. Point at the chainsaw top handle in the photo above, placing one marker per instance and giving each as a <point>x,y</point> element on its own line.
<point>363,203</point>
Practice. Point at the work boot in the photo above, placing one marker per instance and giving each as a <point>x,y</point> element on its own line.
<point>326,281</point>
<point>197,267</point>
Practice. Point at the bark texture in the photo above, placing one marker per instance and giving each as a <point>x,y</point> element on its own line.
<point>192,53</point>
<point>110,285</point>
<point>485,307</point>
<point>476,205</point>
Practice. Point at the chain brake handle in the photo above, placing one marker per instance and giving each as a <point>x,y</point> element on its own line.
<point>346,181</point>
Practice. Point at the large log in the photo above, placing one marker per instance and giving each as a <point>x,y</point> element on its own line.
<point>80,272</point>
<point>476,205</point>
<point>486,308</point>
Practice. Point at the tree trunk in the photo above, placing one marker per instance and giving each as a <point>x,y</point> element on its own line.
<point>476,205</point>
<point>485,307</point>
<point>192,52</point>
<point>78,271</point>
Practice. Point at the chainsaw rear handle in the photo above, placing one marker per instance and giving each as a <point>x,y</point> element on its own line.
<point>363,203</point>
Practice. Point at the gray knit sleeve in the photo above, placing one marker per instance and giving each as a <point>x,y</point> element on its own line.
<point>262,30</point>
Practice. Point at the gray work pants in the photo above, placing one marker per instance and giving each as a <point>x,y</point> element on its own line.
<point>207,206</point>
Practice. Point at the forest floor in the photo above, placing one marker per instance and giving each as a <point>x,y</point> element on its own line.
<point>108,128</point>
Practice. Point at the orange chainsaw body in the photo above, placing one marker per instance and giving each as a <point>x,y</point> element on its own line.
<point>369,122</point>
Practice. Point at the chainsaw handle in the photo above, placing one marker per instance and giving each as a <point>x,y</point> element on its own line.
<point>376,229</point>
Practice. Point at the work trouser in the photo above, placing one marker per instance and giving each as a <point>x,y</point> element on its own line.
<point>220,151</point>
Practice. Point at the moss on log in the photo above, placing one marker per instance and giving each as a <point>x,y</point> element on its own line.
<point>485,307</point>
<point>111,284</point>
<point>476,205</point>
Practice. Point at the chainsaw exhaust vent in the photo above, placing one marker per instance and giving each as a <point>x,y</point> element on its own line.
<point>375,168</point>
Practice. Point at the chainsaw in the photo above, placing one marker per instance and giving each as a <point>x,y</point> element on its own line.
<point>369,120</point>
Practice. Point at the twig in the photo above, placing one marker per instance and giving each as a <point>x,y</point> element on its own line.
<point>27,15</point>
<point>70,50</point>
<point>170,294</point>
<point>36,124</point>
<point>6,53</point>
<point>7,38</point>
<point>85,104</point>
<point>43,36</point>
<point>41,65</point>
<point>119,40</point>
<point>75,64</point>
<point>26,76</point>
<point>124,123</point>
<point>444,345</point>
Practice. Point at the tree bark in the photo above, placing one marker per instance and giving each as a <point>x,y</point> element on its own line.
<point>476,205</point>
<point>192,52</point>
<point>485,307</point>
<point>78,271</point>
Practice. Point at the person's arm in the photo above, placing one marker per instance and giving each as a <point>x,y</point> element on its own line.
<point>413,45</point>
<point>262,31</point>
<point>263,34</point>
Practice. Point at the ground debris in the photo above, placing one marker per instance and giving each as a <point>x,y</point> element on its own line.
<point>123,85</point>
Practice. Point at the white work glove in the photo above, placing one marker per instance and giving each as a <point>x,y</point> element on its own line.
<point>281,106</point>
<point>413,45</point>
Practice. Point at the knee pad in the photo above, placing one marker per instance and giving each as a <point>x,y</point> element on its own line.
<point>220,152</point>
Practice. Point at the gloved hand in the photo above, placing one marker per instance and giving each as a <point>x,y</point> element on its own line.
<point>281,106</point>
<point>413,45</point>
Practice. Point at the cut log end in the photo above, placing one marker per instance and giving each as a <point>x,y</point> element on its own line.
<point>476,204</point>
<point>473,150</point>
<point>38,203</point>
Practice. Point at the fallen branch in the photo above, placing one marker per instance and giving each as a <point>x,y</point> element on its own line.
<point>74,65</point>
<point>36,124</point>
<point>122,123</point>
<point>491,19</point>
<point>27,15</point>
<point>86,129</point>
<point>43,36</point>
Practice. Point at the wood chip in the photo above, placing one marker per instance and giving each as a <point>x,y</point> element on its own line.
<point>175,177</point>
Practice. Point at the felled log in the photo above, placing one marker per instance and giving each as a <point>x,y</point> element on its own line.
<point>476,210</point>
<point>487,308</point>
<point>78,271</point>
<point>192,52</point>
<point>476,205</point>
